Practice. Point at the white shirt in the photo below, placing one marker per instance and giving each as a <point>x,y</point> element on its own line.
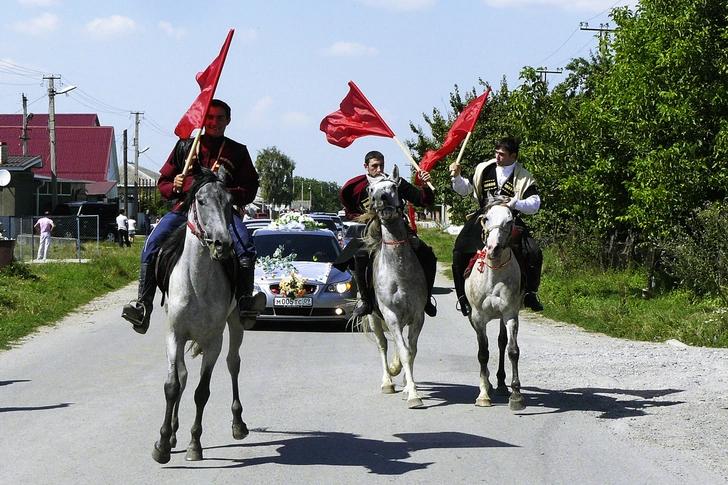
<point>121,222</point>
<point>529,205</point>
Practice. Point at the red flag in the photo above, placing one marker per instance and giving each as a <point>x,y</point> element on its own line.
<point>356,118</point>
<point>460,128</point>
<point>194,118</point>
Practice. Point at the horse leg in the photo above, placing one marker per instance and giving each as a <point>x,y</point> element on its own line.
<point>182,375</point>
<point>516,401</point>
<point>240,430</point>
<point>202,394</point>
<point>483,399</point>
<point>502,389</point>
<point>376,326</point>
<point>408,354</point>
<point>175,352</point>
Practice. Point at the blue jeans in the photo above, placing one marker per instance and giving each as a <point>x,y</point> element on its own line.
<point>244,246</point>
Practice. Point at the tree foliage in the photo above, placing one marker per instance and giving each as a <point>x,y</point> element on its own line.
<point>275,170</point>
<point>632,141</point>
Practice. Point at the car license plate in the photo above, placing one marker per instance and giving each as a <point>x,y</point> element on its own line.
<point>282,301</point>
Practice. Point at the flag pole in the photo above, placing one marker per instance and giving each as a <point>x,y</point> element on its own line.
<point>462,150</point>
<point>412,160</point>
<point>193,150</point>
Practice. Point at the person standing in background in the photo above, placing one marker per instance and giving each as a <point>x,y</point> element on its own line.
<point>147,223</point>
<point>131,224</point>
<point>123,228</point>
<point>45,226</point>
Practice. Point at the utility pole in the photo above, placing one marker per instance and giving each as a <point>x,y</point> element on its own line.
<point>603,28</point>
<point>52,130</point>
<point>126,179</point>
<point>26,118</point>
<point>545,71</point>
<point>136,161</point>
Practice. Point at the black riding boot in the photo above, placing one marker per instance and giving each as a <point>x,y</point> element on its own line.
<point>428,261</point>
<point>139,312</point>
<point>249,306</point>
<point>365,292</point>
<point>458,269</point>
<point>533,257</point>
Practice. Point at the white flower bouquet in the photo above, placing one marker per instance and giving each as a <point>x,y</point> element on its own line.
<point>293,285</point>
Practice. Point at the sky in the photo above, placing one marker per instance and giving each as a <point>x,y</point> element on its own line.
<point>288,65</point>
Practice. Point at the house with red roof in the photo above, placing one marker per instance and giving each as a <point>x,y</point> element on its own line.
<point>86,162</point>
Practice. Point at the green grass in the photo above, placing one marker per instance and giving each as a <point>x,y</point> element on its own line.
<point>613,302</point>
<point>33,295</point>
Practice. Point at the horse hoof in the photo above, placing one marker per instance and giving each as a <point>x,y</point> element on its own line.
<point>173,441</point>
<point>240,432</point>
<point>160,456</point>
<point>502,390</point>
<point>517,403</point>
<point>414,403</point>
<point>483,403</point>
<point>194,454</point>
<point>388,389</point>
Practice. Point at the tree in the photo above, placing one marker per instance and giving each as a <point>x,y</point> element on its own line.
<point>275,170</point>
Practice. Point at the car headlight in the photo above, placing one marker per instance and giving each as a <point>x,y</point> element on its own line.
<point>339,287</point>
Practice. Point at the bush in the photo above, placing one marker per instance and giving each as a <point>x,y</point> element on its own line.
<point>695,256</point>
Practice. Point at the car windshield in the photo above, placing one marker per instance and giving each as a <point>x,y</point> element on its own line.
<point>308,247</point>
<point>354,230</point>
<point>327,222</point>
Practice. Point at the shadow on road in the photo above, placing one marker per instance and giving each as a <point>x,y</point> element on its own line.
<point>346,449</point>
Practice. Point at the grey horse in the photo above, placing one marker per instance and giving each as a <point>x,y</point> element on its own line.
<point>400,288</point>
<point>201,300</point>
<point>495,292</point>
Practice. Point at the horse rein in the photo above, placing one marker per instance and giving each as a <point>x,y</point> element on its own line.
<point>482,255</point>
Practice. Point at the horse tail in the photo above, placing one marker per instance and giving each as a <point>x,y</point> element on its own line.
<point>194,348</point>
<point>395,367</point>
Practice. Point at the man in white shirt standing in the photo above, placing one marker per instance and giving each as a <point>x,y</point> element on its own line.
<point>45,226</point>
<point>122,224</point>
<point>500,176</point>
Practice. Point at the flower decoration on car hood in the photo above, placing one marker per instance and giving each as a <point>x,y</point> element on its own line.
<point>293,285</point>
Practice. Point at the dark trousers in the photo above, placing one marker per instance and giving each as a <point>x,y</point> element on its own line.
<point>124,238</point>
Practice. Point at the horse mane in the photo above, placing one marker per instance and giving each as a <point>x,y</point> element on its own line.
<point>173,246</point>
<point>372,233</point>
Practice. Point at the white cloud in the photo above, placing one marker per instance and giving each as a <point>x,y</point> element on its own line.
<point>171,31</point>
<point>38,3</point>
<point>295,119</point>
<point>260,113</point>
<point>246,35</point>
<point>580,5</point>
<point>113,26</point>
<point>407,5</point>
<point>44,24</point>
<point>349,49</point>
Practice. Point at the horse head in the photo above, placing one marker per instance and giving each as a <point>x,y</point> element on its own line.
<point>210,212</point>
<point>497,223</point>
<point>384,196</point>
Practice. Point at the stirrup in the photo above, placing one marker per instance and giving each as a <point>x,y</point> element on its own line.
<point>364,308</point>
<point>138,317</point>
<point>431,307</point>
<point>464,306</point>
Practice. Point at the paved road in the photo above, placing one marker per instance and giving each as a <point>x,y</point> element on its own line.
<point>82,402</point>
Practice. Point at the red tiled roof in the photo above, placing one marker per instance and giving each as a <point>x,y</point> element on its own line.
<point>41,120</point>
<point>99,188</point>
<point>82,152</point>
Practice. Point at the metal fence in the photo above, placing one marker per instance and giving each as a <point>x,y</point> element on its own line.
<point>73,237</point>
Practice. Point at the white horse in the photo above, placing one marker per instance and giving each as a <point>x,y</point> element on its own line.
<point>201,299</point>
<point>400,287</point>
<point>494,290</point>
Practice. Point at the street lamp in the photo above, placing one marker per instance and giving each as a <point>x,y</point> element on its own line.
<point>52,130</point>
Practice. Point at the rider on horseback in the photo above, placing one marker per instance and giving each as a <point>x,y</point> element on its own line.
<point>501,176</point>
<point>214,151</point>
<point>355,197</point>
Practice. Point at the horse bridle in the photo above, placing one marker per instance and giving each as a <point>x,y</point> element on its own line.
<point>400,213</point>
<point>196,227</point>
